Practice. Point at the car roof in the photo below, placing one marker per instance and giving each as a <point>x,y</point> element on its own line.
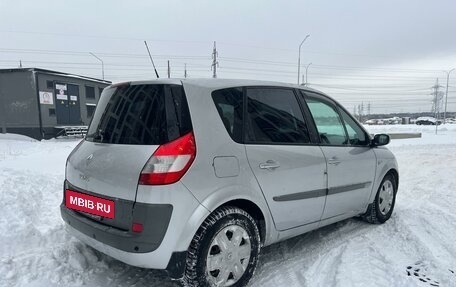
<point>215,84</point>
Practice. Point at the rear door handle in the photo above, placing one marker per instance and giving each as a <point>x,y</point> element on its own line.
<point>269,165</point>
<point>334,161</point>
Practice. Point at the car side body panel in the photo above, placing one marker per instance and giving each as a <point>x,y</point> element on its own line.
<point>213,141</point>
<point>385,163</point>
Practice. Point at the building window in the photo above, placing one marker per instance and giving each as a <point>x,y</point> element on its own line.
<point>51,112</point>
<point>100,90</point>
<point>90,92</point>
<point>50,84</point>
<point>90,110</point>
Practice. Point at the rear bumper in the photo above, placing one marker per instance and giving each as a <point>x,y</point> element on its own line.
<point>154,217</point>
<point>174,265</point>
<point>172,214</point>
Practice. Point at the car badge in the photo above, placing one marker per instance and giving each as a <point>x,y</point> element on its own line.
<point>89,159</point>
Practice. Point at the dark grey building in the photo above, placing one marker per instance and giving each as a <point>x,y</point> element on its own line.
<point>42,103</point>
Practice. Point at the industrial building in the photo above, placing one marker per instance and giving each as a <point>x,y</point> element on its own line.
<point>43,104</point>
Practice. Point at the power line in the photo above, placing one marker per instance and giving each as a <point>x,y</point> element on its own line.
<point>320,66</point>
<point>102,37</point>
<point>78,53</point>
<point>191,42</point>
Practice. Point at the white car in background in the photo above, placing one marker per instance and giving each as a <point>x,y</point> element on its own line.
<point>371,122</point>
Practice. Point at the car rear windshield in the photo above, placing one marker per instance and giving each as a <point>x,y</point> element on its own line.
<point>140,115</point>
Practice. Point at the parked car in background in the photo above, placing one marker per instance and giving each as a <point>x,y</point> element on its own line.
<point>427,121</point>
<point>195,176</point>
<point>370,122</point>
<point>394,121</point>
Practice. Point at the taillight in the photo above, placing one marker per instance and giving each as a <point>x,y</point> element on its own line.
<point>169,162</point>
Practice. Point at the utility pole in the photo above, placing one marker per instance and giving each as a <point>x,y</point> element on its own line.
<point>369,109</point>
<point>361,111</point>
<point>307,79</point>
<point>169,71</point>
<point>185,70</point>
<point>214,61</point>
<point>299,57</point>
<point>437,97</point>
<point>20,63</point>
<point>446,95</point>
<point>102,64</point>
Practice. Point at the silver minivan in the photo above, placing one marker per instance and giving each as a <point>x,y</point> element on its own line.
<point>194,176</point>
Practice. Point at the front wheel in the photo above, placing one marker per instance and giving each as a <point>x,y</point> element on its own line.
<point>224,251</point>
<point>381,209</point>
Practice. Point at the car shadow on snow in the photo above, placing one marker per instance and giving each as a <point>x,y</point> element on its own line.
<point>288,260</point>
<point>103,270</point>
<point>116,273</point>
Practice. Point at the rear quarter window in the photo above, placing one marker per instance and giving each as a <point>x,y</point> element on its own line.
<point>229,104</point>
<point>140,115</point>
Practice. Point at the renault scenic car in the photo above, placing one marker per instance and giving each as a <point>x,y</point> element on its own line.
<point>194,176</point>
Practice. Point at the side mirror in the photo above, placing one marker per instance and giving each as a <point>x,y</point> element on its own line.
<point>381,139</point>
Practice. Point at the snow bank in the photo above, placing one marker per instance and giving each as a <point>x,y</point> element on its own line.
<point>411,128</point>
<point>16,137</point>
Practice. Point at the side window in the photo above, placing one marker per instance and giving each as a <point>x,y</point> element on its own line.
<point>274,116</point>
<point>229,104</point>
<point>328,122</point>
<point>356,135</point>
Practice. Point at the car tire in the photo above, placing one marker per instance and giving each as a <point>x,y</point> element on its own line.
<point>225,236</point>
<point>381,209</point>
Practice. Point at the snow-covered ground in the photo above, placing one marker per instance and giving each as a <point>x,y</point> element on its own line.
<point>35,250</point>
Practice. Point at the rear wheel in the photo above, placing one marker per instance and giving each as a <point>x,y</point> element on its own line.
<point>224,251</point>
<point>381,209</point>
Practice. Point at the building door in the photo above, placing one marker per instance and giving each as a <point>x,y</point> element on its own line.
<point>67,105</point>
<point>62,110</point>
<point>74,105</point>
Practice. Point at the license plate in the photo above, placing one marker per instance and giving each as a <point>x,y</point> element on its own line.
<point>89,204</point>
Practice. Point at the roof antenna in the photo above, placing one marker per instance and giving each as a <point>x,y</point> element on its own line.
<point>150,56</point>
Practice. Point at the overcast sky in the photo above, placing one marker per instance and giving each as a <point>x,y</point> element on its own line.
<point>388,53</point>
